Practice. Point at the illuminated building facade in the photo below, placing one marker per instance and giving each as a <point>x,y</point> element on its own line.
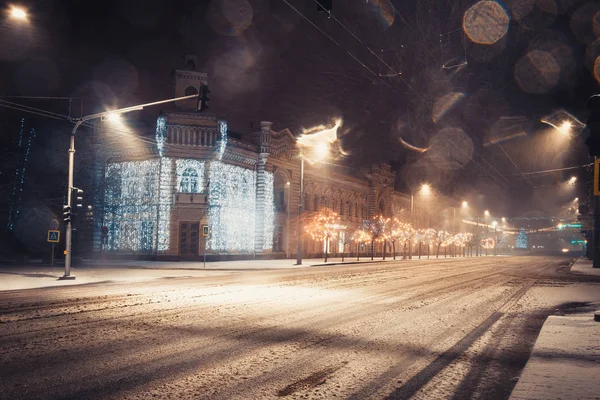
<point>244,188</point>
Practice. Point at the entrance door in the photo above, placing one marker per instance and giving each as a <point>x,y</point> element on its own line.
<point>188,238</point>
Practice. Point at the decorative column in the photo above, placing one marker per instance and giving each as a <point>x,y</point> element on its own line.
<point>265,150</point>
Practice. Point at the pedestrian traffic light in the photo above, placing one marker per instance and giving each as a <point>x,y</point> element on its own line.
<point>593,125</point>
<point>203,99</point>
<point>324,5</point>
<point>67,214</point>
<point>78,193</point>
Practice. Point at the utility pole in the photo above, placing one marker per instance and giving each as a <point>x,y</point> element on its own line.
<point>593,142</point>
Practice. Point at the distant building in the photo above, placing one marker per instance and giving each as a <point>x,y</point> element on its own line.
<point>244,188</point>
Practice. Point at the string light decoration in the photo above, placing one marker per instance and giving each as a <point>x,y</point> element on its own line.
<point>223,141</point>
<point>521,240</point>
<point>269,214</point>
<point>323,226</point>
<point>190,175</point>
<point>130,206</point>
<point>231,212</point>
<point>165,201</point>
<point>161,133</point>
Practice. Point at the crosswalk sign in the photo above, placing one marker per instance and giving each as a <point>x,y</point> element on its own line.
<point>53,236</point>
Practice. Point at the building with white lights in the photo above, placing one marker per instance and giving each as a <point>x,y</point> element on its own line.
<point>244,188</point>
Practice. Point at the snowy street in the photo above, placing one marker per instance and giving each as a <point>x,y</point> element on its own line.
<point>424,329</point>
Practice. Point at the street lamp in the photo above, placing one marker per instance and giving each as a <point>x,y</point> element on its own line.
<point>425,189</point>
<point>18,13</point>
<point>321,143</point>
<point>495,225</point>
<point>106,115</point>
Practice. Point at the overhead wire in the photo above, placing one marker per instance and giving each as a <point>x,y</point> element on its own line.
<point>359,40</point>
<point>516,166</point>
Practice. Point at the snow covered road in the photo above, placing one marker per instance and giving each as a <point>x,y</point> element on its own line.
<point>428,329</point>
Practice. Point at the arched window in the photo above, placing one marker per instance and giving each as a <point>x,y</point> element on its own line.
<point>189,181</point>
<point>356,210</point>
<point>190,90</point>
<point>306,202</point>
<point>316,203</point>
<point>341,207</point>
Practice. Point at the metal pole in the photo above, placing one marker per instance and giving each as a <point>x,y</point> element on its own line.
<point>454,220</point>
<point>496,240</point>
<point>52,259</point>
<point>69,233</point>
<point>412,210</point>
<point>299,235</point>
<point>596,233</point>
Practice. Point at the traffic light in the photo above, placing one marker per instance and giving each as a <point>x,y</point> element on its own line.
<point>67,214</point>
<point>324,5</point>
<point>203,98</point>
<point>78,193</point>
<point>593,124</point>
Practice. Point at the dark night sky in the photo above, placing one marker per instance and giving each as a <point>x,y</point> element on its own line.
<point>266,62</point>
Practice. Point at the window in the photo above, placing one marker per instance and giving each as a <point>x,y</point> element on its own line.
<point>341,207</point>
<point>356,211</point>
<point>316,203</point>
<point>190,90</point>
<point>189,181</point>
<point>279,200</point>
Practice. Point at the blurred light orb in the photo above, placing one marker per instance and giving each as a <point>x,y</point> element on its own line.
<point>537,72</point>
<point>507,128</point>
<point>450,149</point>
<point>444,104</point>
<point>533,14</point>
<point>426,188</point>
<point>486,22</point>
<point>465,204</point>
<point>584,22</point>
<point>230,17</point>
<point>384,12</point>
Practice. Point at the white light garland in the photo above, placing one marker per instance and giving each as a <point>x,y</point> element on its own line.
<point>223,142</point>
<point>165,200</point>
<point>161,133</point>
<point>269,222</point>
<point>130,208</point>
<point>190,175</point>
<point>231,211</point>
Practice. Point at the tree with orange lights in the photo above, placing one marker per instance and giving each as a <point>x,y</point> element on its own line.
<point>375,228</point>
<point>323,226</point>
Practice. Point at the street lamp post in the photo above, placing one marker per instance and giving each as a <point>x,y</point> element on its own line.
<point>80,121</point>
<point>299,238</point>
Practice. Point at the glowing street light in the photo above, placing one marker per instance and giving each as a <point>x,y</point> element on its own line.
<point>113,117</point>
<point>110,115</point>
<point>465,204</point>
<point>18,13</point>
<point>576,199</point>
<point>426,188</point>
<point>320,140</point>
<point>565,128</point>
<point>486,213</point>
<point>573,180</point>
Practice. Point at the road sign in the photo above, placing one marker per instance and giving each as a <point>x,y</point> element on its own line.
<point>596,177</point>
<point>53,236</point>
<point>53,225</point>
<point>205,230</point>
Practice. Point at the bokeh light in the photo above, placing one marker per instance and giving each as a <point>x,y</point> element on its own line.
<point>584,22</point>
<point>384,12</point>
<point>486,22</point>
<point>507,128</point>
<point>537,72</point>
<point>444,104</point>
<point>565,123</point>
<point>230,17</point>
<point>450,149</point>
<point>533,14</point>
